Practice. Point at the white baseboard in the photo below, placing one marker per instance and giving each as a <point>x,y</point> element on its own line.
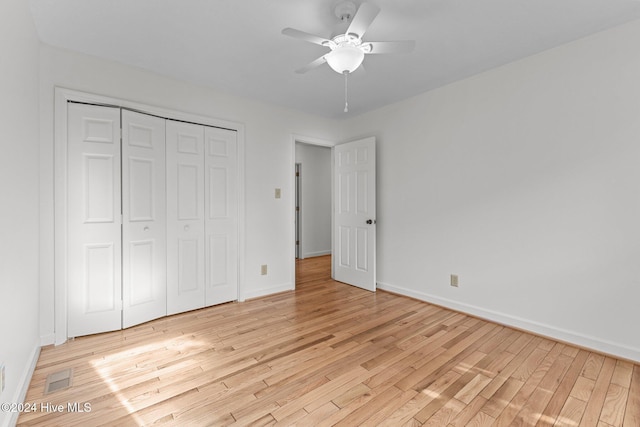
<point>570,337</point>
<point>268,291</point>
<point>25,380</point>
<point>314,254</point>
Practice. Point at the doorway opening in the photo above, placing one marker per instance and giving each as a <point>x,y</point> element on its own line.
<point>352,210</point>
<point>313,201</point>
<point>311,271</point>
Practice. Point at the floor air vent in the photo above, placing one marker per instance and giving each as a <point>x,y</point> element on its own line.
<point>58,381</point>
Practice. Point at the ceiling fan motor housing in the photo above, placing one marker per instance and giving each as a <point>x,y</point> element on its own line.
<point>345,10</point>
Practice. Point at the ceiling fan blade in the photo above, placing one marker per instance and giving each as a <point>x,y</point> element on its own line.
<point>363,18</point>
<point>318,62</point>
<point>390,47</point>
<point>306,36</point>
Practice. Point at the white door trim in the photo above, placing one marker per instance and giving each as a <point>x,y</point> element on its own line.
<point>61,98</point>
<point>292,212</point>
<point>298,206</point>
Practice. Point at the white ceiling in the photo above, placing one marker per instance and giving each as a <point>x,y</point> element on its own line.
<point>236,46</point>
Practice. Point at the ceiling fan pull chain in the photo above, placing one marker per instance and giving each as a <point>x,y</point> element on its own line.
<point>346,104</point>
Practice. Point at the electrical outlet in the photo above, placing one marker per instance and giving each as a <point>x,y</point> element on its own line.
<point>2,378</point>
<point>454,280</point>
<point>263,269</point>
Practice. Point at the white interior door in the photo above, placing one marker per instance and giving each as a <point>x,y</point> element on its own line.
<point>221,205</point>
<point>185,217</point>
<point>94,287</point>
<point>354,226</point>
<point>144,284</point>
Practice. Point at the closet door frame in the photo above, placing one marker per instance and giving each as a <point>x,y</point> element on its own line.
<point>62,97</point>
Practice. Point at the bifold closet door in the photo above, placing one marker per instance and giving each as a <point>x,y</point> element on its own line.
<point>94,284</point>
<point>151,217</point>
<point>185,217</point>
<point>144,285</point>
<point>202,212</point>
<point>221,160</point>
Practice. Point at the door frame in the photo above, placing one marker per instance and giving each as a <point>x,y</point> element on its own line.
<point>61,97</point>
<point>310,141</point>
<point>298,207</point>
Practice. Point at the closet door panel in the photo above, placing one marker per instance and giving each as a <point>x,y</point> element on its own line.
<point>94,286</point>
<point>185,217</point>
<point>144,218</point>
<point>221,216</point>
<point>189,189</point>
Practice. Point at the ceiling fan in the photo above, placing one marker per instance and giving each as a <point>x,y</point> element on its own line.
<point>347,50</point>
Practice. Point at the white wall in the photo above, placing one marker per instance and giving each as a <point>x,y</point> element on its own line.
<point>315,208</point>
<point>524,181</point>
<point>268,157</point>
<point>19,195</point>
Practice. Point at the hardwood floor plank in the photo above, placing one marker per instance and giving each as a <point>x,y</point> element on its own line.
<point>533,411</point>
<point>511,367</point>
<point>446,414</point>
<point>319,414</point>
<point>592,366</point>
<point>357,403</point>
<point>522,397</point>
<point>529,366</point>
<point>632,410</point>
<point>614,405</point>
<point>571,413</point>
<point>622,374</point>
<point>421,400</point>
<point>551,412</point>
<point>481,420</point>
<point>303,400</point>
<point>332,354</point>
<point>468,412</point>
<point>501,398</point>
<point>583,388</point>
<point>599,394</point>
<point>472,389</point>
<point>378,409</point>
<point>447,360</point>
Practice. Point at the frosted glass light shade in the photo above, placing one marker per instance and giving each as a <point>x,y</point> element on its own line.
<point>345,59</point>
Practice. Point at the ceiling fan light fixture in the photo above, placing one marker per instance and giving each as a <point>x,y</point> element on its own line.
<point>348,49</point>
<point>345,59</point>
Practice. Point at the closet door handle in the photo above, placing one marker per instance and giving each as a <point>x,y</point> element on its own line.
<point>145,229</point>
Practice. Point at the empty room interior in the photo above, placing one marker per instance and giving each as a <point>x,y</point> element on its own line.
<point>329,212</point>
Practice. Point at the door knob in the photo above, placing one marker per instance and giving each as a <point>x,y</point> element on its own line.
<point>186,228</point>
<point>371,221</point>
<point>145,229</point>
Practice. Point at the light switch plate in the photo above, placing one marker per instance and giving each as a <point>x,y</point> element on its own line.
<point>2,377</point>
<point>278,193</point>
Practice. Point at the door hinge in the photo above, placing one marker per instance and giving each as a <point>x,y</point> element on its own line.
<point>297,173</point>
<point>297,209</point>
<point>297,242</point>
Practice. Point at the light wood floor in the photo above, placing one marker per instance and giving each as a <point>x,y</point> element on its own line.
<point>328,354</point>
